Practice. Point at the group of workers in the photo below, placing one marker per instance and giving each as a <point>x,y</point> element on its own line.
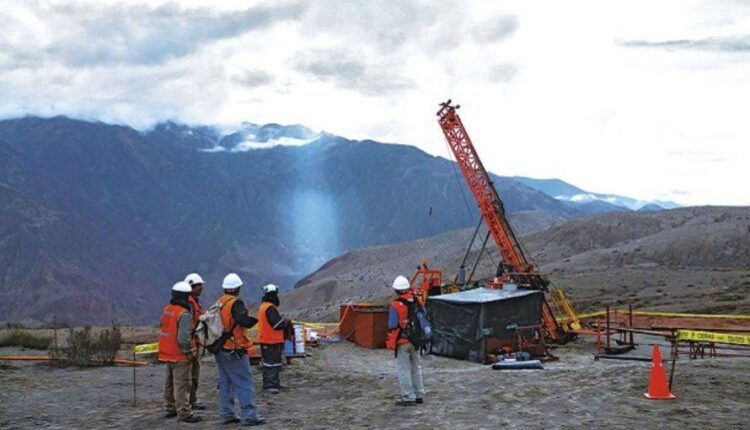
<point>180,349</point>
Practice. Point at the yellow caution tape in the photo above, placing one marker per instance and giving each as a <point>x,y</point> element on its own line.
<point>667,315</point>
<point>707,336</point>
<point>314,325</point>
<point>146,348</point>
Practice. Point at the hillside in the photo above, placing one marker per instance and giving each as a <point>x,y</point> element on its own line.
<point>98,221</point>
<point>690,259</point>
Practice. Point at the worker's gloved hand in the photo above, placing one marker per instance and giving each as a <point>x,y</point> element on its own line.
<point>190,357</point>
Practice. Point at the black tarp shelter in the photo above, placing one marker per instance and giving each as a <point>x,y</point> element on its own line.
<point>470,324</point>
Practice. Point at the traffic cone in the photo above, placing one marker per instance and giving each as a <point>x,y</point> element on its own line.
<point>657,384</point>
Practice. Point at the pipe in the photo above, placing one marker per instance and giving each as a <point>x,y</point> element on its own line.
<point>459,278</point>
<point>476,263</point>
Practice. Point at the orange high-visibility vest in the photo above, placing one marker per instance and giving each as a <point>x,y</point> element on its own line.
<point>197,310</point>
<point>266,333</point>
<point>239,338</point>
<point>169,350</point>
<point>402,311</point>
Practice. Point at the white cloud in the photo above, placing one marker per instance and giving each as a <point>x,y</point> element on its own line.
<point>637,98</point>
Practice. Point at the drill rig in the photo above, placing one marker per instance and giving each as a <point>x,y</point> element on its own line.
<point>515,266</point>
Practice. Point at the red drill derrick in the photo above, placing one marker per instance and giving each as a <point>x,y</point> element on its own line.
<point>513,256</point>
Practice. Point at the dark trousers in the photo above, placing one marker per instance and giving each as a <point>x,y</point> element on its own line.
<point>195,374</point>
<point>271,364</point>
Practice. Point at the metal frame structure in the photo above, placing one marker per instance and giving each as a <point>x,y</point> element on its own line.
<point>515,264</point>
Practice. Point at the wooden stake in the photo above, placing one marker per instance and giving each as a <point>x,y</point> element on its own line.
<point>54,330</point>
<point>671,371</point>
<point>134,376</point>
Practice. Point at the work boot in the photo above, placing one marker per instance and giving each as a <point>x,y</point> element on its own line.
<point>191,419</point>
<point>232,420</point>
<point>198,406</point>
<point>419,400</point>
<point>404,402</point>
<point>253,422</point>
<point>170,414</point>
<point>273,390</point>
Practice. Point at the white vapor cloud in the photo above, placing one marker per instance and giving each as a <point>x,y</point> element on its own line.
<point>639,98</point>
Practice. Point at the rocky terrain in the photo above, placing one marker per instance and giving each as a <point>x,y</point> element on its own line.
<point>344,386</point>
<point>690,259</point>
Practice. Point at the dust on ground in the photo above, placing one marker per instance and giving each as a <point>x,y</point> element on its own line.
<point>344,386</point>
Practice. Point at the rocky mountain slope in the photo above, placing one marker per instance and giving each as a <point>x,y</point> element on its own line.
<point>97,221</point>
<point>690,259</point>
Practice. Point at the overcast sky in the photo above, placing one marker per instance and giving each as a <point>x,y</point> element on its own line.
<point>643,98</point>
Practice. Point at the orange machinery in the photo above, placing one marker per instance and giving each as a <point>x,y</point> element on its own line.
<point>515,266</point>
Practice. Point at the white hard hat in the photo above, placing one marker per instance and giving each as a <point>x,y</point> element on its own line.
<point>194,279</point>
<point>270,288</point>
<point>182,287</point>
<point>231,281</point>
<point>401,284</point>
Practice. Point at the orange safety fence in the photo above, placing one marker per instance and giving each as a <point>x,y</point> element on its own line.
<point>47,358</point>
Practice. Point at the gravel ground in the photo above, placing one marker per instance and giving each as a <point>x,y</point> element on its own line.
<point>343,386</point>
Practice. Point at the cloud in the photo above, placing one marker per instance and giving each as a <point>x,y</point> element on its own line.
<point>502,72</point>
<point>253,78</point>
<point>348,70</point>
<point>730,44</point>
<point>338,65</point>
<point>87,35</point>
<point>495,30</point>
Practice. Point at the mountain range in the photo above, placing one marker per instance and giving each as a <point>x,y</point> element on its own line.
<point>689,259</point>
<point>97,221</point>
<point>596,202</point>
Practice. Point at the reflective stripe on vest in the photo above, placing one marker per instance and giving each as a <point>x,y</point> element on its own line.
<point>169,350</point>
<point>239,339</point>
<point>266,333</point>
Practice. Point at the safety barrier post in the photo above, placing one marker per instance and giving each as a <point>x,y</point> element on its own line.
<point>630,323</point>
<point>607,327</point>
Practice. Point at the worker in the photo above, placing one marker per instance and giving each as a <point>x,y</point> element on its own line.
<point>407,355</point>
<point>271,337</point>
<point>196,283</point>
<point>235,375</point>
<point>177,350</point>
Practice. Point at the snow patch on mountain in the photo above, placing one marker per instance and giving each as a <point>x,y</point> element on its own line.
<point>251,144</point>
<point>625,202</point>
<point>250,137</point>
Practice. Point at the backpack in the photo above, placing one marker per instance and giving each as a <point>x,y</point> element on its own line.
<point>418,328</point>
<point>210,329</point>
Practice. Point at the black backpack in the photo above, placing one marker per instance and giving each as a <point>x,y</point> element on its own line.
<point>418,328</point>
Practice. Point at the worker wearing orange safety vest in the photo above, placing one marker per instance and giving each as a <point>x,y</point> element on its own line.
<point>235,376</point>
<point>407,356</point>
<point>271,329</point>
<point>177,349</point>
<point>196,283</point>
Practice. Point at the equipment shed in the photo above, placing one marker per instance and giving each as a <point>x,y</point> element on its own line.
<point>470,324</point>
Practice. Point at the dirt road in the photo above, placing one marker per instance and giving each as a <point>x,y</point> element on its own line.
<point>342,386</point>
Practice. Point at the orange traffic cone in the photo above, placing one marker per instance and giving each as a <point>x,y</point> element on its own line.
<point>657,384</point>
